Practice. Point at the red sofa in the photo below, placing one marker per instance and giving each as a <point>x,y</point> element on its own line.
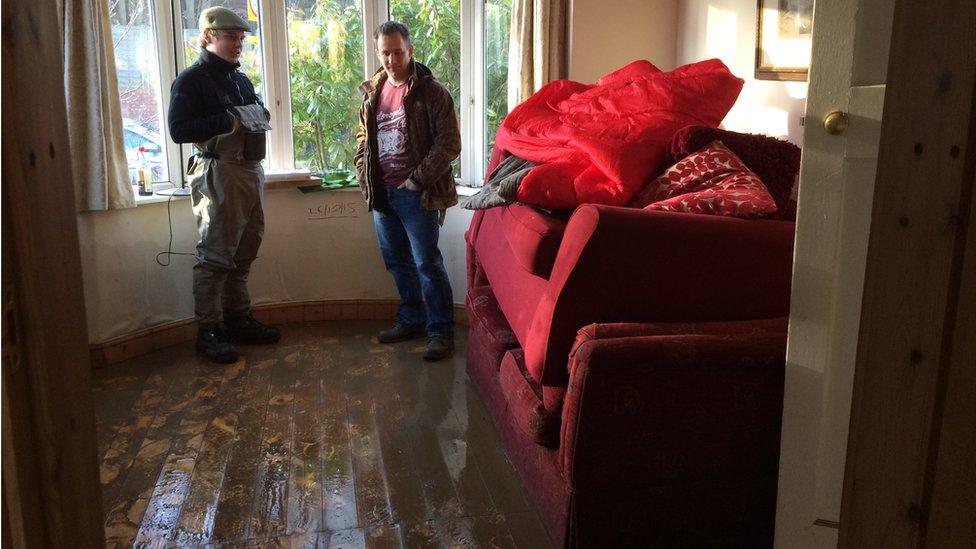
<point>632,361</point>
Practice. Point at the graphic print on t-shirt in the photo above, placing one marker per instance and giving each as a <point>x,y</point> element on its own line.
<point>391,122</point>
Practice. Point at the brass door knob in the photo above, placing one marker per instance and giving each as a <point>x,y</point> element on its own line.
<point>836,122</point>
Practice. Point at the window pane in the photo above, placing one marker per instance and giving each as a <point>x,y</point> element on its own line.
<point>251,63</point>
<point>435,30</point>
<point>498,14</point>
<point>325,63</point>
<point>138,75</point>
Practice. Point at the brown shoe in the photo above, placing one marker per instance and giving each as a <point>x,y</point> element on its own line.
<point>400,332</point>
<point>439,347</point>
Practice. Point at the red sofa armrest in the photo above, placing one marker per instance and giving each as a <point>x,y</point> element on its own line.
<point>627,265</point>
<point>675,438</point>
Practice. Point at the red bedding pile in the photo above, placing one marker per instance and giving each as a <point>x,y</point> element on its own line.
<point>602,143</point>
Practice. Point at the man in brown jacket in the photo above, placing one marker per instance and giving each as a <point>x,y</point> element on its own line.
<point>408,137</point>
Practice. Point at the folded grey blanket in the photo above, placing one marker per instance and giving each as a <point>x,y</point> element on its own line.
<point>502,186</point>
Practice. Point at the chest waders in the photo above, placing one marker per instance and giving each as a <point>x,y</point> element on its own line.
<point>227,183</point>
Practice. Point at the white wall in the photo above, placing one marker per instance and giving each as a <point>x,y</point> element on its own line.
<point>606,35</point>
<point>726,29</point>
<point>306,255</point>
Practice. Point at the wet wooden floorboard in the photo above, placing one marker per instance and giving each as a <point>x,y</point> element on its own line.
<point>328,439</point>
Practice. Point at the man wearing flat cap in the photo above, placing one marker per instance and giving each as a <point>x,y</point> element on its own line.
<point>214,106</point>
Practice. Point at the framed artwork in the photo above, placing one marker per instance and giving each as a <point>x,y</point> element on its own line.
<point>783,34</point>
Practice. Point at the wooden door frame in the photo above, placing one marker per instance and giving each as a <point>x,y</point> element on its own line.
<point>51,492</point>
<point>903,479</point>
<point>909,476</point>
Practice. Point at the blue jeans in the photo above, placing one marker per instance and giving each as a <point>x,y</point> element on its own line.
<point>408,241</point>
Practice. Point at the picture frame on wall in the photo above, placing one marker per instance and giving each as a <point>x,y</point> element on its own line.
<point>784,30</point>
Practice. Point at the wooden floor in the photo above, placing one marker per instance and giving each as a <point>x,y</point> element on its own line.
<point>328,439</point>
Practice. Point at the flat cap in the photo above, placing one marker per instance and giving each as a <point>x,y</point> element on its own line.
<point>221,18</point>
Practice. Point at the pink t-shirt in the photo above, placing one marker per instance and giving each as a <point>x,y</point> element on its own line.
<point>391,121</point>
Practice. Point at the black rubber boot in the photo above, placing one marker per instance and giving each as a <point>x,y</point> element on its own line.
<point>246,329</point>
<point>400,332</point>
<point>212,343</point>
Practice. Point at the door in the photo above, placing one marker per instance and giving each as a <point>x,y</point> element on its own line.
<point>837,174</point>
<point>50,473</point>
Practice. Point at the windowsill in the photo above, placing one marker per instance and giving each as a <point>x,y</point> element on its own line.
<point>464,190</point>
<point>155,198</point>
<point>291,183</point>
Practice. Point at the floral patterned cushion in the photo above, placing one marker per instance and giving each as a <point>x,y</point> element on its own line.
<point>711,181</point>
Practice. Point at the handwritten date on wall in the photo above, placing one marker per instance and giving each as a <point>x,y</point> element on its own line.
<point>338,210</point>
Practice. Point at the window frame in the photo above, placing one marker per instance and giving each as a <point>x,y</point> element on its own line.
<point>276,89</point>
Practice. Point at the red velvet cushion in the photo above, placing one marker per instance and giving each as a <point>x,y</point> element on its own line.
<point>775,161</point>
<point>517,290</point>
<point>710,181</point>
<point>523,394</point>
<point>534,237</point>
<point>489,333</point>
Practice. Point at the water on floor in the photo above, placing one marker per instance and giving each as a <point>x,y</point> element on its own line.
<point>328,439</point>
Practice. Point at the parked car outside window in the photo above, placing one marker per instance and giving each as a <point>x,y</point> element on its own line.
<point>135,135</point>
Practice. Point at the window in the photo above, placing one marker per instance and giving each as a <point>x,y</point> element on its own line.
<point>137,70</point>
<point>325,65</point>
<point>498,17</point>
<point>435,28</point>
<point>307,59</point>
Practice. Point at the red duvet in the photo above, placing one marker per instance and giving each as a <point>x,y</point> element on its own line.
<point>602,143</point>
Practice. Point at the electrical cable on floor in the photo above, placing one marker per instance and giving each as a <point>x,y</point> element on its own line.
<point>169,248</point>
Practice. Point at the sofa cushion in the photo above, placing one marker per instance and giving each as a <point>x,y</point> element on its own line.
<point>517,290</point>
<point>489,333</point>
<point>710,181</point>
<point>523,396</point>
<point>534,237</point>
<point>775,161</point>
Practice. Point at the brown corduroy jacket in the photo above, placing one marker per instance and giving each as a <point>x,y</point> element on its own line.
<point>433,140</point>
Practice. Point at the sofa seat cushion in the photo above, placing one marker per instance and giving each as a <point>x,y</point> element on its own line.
<point>523,396</point>
<point>534,237</point>
<point>489,333</point>
<point>517,291</point>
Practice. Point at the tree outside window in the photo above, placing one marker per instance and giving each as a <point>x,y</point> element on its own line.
<point>325,62</point>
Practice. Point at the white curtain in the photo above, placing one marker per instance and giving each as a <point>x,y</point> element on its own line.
<point>100,171</point>
<point>537,49</point>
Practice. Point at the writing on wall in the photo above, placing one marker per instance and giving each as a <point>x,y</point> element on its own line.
<point>337,210</point>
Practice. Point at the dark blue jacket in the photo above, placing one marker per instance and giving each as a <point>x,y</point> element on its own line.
<point>201,95</point>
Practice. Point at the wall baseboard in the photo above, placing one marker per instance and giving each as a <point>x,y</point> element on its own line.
<point>146,341</point>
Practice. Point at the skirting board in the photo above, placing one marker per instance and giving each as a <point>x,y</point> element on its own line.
<point>152,339</point>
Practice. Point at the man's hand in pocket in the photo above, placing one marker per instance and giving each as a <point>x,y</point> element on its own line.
<point>410,185</point>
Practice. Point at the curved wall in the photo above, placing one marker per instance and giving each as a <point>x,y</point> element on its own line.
<point>317,246</point>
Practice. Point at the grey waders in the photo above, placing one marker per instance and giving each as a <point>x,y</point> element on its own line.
<point>227,183</point>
